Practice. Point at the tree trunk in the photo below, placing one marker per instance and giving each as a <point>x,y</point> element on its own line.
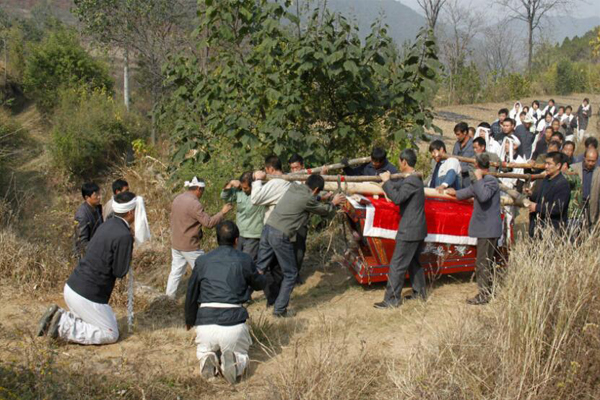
<point>530,46</point>
<point>126,79</point>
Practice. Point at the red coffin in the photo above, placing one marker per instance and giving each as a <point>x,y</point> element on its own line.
<point>374,222</point>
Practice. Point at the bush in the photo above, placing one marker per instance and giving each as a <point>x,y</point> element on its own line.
<point>91,132</point>
<point>60,62</point>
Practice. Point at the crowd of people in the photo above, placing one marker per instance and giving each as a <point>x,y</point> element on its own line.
<point>264,249</point>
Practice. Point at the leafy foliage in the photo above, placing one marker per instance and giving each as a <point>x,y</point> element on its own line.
<point>59,62</point>
<point>278,85</point>
<point>91,132</point>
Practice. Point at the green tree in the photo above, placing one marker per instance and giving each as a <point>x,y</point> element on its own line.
<point>268,82</point>
<point>57,62</point>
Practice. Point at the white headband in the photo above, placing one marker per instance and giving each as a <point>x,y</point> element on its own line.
<point>121,208</point>
<point>194,183</point>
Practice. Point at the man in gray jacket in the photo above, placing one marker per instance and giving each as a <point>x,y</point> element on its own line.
<point>88,218</point>
<point>485,225</point>
<point>409,194</point>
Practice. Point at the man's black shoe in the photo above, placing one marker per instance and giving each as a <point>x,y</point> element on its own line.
<point>45,320</point>
<point>285,314</point>
<point>383,305</point>
<point>478,300</point>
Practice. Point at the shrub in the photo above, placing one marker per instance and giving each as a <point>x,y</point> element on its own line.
<point>91,132</point>
<point>57,62</point>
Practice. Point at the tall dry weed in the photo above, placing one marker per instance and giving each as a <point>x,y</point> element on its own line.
<point>538,339</point>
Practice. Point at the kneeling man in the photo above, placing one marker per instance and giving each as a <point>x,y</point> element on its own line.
<point>221,282</point>
<point>90,320</point>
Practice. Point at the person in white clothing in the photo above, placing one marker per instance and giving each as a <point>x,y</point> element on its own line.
<point>515,111</point>
<point>510,150</point>
<point>535,113</point>
<point>90,320</point>
<point>550,108</point>
<point>485,133</point>
<point>544,123</point>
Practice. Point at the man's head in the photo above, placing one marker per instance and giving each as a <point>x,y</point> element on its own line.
<point>522,116</point>
<point>508,126</point>
<point>461,131</point>
<point>591,142</point>
<point>482,161</point>
<point>378,157</point>
<point>196,186</point>
<point>502,114</point>
<point>437,148</point>
<point>227,233</point>
<point>471,132</point>
<point>246,183</point>
<point>553,146</point>
<point>568,110</point>
<point>555,125</point>
<point>316,183</point>
<point>479,145</point>
<point>296,163</point>
<point>586,101</point>
<point>561,110</point>
<point>535,104</point>
<point>590,158</point>
<point>408,160</point>
<point>551,103</point>
<point>528,121</point>
<point>548,132</point>
<point>559,137</point>
<point>119,186</point>
<point>91,194</point>
<point>272,164</point>
<point>554,163</point>
<point>568,148</point>
<point>123,198</point>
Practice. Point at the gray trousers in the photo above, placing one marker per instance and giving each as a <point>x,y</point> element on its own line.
<point>405,259</point>
<point>249,246</point>
<point>484,271</point>
<point>274,244</point>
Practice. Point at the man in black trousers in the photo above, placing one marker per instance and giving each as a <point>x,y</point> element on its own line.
<point>485,224</point>
<point>409,194</point>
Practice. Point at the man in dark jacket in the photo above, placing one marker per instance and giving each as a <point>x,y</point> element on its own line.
<point>409,194</point>
<point>379,164</point>
<point>88,218</point>
<point>497,125</point>
<point>550,204</point>
<point>485,225</point>
<point>463,148</point>
<point>90,319</point>
<point>222,281</point>
<point>279,234</point>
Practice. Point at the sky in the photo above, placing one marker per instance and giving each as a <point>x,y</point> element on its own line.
<point>587,9</point>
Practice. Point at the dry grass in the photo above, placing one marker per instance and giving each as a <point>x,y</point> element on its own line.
<point>537,340</point>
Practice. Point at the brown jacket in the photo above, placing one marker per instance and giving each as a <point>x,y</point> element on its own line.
<point>187,219</point>
<point>594,201</point>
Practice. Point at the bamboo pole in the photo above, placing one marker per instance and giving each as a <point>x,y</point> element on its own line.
<point>497,164</point>
<point>355,161</point>
<point>341,178</point>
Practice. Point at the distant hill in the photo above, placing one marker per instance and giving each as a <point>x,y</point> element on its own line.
<point>559,28</point>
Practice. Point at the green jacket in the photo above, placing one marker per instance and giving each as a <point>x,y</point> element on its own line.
<point>294,208</point>
<point>249,217</point>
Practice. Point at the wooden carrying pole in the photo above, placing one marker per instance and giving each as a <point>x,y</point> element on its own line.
<point>497,164</point>
<point>340,178</point>
<point>355,161</point>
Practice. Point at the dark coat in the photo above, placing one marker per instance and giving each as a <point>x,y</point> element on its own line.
<point>225,275</point>
<point>369,170</point>
<point>87,220</point>
<point>108,257</point>
<point>526,138</point>
<point>409,194</point>
<point>552,199</point>
<point>486,222</point>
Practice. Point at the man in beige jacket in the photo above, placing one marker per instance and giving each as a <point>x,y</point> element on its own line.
<point>187,219</point>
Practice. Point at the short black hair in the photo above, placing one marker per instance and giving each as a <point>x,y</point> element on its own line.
<point>556,156</point>
<point>274,162</point>
<point>247,177</point>
<point>536,102</point>
<point>558,135</point>
<point>461,127</point>
<point>561,108</point>
<point>522,113</point>
<point>555,143</point>
<point>296,158</point>
<point>123,197</point>
<point>483,160</point>
<point>568,108</point>
<point>512,121</point>
<point>548,113</point>
<point>591,141</point>
<point>88,189</point>
<point>587,100</point>
<point>378,154</point>
<point>552,100</point>
<point>409,156</point>
<point>315,182</point>
<point>119,184</point>
<point>484,125</point>
<point>569,143</point>
<point>437,145</point>
<point>480,141</point>
<point>227,233</point>
<point>503,111</point>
